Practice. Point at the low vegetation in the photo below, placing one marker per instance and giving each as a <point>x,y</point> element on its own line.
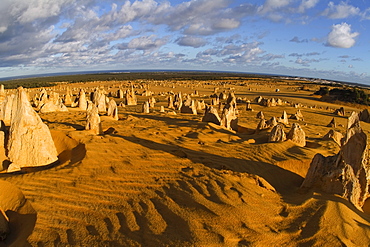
<point>48,81</point>
<point>351,95</point>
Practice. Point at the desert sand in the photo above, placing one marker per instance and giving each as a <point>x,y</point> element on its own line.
<point>165,179</point>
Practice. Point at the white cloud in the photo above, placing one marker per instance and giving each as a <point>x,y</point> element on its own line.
<point>226,23</point>
<point>191,41</point>
<point>144,43</point>
<point>340,11</point>
<point>3,29</point>
<point>132,11</point>
<point>307,4</point>
<point>202,17</point>
<point>306,62</point>
<point>341,36</point>
<point>244,54</point>
<point>271,5</point>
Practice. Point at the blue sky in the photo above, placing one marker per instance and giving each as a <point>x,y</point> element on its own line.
<point>310,38</point>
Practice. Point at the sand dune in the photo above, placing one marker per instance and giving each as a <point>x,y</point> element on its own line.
<point>170,180</point>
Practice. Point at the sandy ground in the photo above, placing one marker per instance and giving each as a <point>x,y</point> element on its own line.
<point>159,179</point>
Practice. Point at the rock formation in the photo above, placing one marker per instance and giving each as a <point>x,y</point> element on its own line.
<point>120,94</point>
<point>177,103</point>
<point>112,109</point>
<point>30,143</point>
<point>189,107</point>
<point>6,111</point>
<point>170,102</point>
<point>131,97</point>
<point>262,125</point>
<point>353,120</point>
<point>222,96</point>
<point>340,112</point>
<point>260,115</point>
<point>297,135</point>
<point>161,109</point>
<point>297,116</point>
<point>93,119</point>
<point>248,107</point>
<point>200,105</point>
<point>365,116</point>
<point>229,118</point>
<point>334,135</point>
<point>152,102</point>
<point>284,119</point>
<point>215,101</point>
<point>48,107</point>
<point>82,103</point>
<point>277,134</point>
<point>211,115</point>
<point>101,102</point>
<point>2,93</point>
<point>346,173</point>
<point>272,122</point>
<point>68,97</point>
<point>258,100</point>
<point>146,107</point>
<point>332,124</point>
<point>231,100</point>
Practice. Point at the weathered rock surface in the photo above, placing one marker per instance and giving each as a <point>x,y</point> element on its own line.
<point>30,143</point>
<point>284,119</point>
<point>131,97</point>
<point>332,124</point>
<point>335,136</point>
<point>177,103</point>
<point>229,118</point>
<point>365,116</point>
<point>297,135</point>
<point>262,125</point>
<point>211,115</point>
<point>48,107</point>
<point>6,111</point>
<point>249,107</point>
<point>272,122</point>
<point>112,109</point>
<point>146,107</point>
<point>189,107</point>
<point>340,112</point>
<point>170,102</point>
<point>277,134</point>
<point>260,115</point>
<point>297,116</point>
<point>82,102</point>
<point>93,119</point>
<point>346,173</point>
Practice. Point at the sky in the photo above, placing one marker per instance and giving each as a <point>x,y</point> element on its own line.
<point>308,38</point>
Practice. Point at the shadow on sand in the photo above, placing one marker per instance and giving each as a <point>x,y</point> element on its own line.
<point>284,181</point>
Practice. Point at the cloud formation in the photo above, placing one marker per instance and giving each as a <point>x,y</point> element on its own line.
<point>192,41</point>
<point>340,11</point>
<point>235,34</point>
<point>341,36</point>
<point>297,40</point>
<point>306,4</point>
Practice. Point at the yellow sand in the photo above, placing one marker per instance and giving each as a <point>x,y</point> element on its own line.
<point>170,180</point>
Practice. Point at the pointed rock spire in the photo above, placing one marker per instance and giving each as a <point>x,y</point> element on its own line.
<point>30,143</point>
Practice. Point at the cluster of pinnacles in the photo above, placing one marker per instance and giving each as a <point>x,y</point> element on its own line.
<point>348,172</point>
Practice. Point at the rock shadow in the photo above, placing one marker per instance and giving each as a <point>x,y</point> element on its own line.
<point>285,182</point>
